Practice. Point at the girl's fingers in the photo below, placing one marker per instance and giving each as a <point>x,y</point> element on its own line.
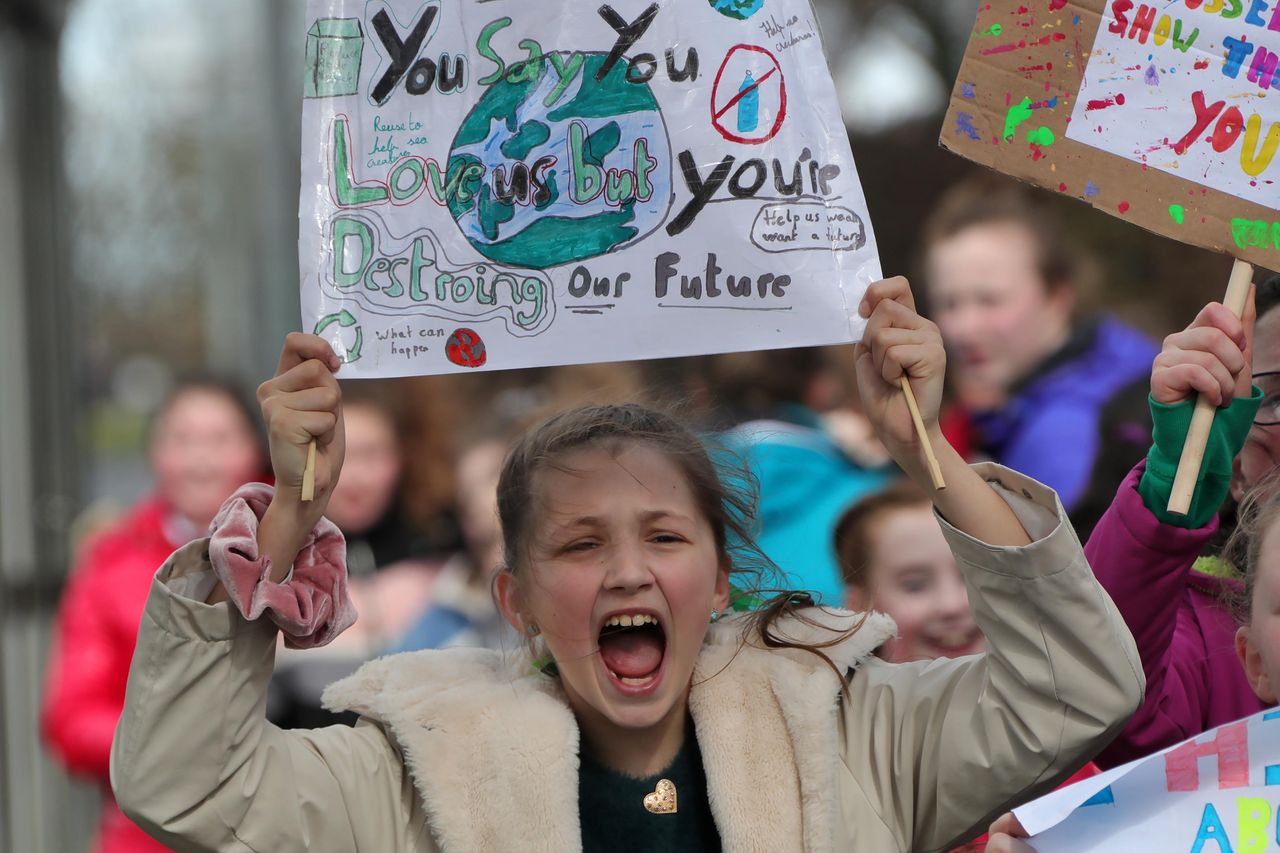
<point>311,373</point>
<point>886,340</point>
<point>299,347</point>
<point>1218,316</point>
<point>895,326</point>
<point>913,360</point>
<point>1215,341</point>
<point>893,312</point>
<point>1222,381</point>
<point>1190,378</point>
<point>293,427</point>
<point>1008,824</point>
<point>1004,843</point>
<point>324,398</point>
<point>895,289</point>
<point>315,425</point>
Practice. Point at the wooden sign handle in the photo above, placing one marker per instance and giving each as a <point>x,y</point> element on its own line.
<point>935,470</point>
<point>1184,482</point>
<point>309,474</point>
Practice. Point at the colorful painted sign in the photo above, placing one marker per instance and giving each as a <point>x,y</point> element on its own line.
<point>511,183</point>
<point>1166,114</point>
<point>1215,793</point>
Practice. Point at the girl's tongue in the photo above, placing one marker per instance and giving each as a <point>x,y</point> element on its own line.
<point>632,652</point>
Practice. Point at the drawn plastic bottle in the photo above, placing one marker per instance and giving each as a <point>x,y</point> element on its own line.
<point>748,105</point>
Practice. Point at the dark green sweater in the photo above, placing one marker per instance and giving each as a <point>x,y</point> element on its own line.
<point>611,808</point>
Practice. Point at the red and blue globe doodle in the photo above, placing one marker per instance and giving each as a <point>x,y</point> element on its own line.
<point>577,167</point>
<point>465,349</point>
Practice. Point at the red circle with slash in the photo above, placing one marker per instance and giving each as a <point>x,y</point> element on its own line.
<point>465,349</point>
<point>717,112</point>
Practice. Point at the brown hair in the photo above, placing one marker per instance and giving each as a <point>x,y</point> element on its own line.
<point>987,200</point>
<point>855,529</point>
<point>1257,512</point>
<point>729,504</point>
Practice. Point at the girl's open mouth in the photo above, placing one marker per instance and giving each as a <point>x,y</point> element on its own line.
<point>633,648</point>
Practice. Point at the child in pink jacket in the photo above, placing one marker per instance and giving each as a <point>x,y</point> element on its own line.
<point>1203,667</point>
<point>1147,559</point>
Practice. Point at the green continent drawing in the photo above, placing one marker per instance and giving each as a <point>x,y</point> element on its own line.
<point>573,167</point>
<point>738,9</point>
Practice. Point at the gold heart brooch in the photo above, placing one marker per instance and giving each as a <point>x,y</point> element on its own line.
<point>663,798</point>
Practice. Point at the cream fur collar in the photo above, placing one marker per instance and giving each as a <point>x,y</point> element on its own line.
<point>492,746</point>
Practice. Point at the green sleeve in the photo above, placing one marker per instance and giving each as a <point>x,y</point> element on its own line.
<point>1169,432</point>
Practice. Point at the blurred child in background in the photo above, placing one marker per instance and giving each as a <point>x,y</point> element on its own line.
<point>1003,286</point>
<point>894,559</point>
<point>1205,627</point>
<point>462,610</point>
<point>203,443</point>
<point>1148,558</point>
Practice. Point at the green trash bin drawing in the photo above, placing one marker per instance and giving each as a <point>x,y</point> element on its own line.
<point>334,46</point>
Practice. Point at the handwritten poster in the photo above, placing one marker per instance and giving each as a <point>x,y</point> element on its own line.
<point>513,183</point>
<point>1166,114</point>
<point>1215,793</point>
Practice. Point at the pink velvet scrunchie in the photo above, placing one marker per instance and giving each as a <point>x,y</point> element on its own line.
<point>313,606</point>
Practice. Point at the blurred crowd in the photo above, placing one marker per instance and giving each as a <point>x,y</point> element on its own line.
<point>1038,383</point>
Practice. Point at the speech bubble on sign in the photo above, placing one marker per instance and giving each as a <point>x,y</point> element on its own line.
<point>801,226</point>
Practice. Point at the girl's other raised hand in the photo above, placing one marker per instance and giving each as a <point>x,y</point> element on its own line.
<point>899,342</point>
<point>1213,357</point>
<point>301,403</point>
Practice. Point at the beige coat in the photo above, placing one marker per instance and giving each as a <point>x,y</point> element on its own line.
<point>463,751</point>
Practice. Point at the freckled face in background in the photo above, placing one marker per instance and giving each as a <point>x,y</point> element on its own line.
<point>997,315</point>
<point>912,576</point>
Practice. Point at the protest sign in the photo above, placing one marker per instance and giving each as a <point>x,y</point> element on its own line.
<point>1215,793</point>
<point>507,184</point>
<point>1166,114</point>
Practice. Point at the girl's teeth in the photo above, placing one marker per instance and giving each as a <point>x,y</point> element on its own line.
<point>634,682</point>
<point>630,621</point>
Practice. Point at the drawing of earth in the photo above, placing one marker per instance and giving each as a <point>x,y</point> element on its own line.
<point>739,9</point>
<point>513,123</point>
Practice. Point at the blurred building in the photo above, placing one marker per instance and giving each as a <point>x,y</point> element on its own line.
<point>148,189</point>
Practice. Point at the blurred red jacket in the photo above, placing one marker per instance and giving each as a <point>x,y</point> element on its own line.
<point>93,645</point>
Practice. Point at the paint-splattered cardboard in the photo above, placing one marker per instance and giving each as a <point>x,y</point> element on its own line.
<point>1165,114</point>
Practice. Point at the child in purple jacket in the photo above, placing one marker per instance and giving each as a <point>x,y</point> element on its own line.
<point>1203,667</point>
<point>1146,558</point>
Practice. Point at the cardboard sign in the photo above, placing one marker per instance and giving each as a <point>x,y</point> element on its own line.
<point>1166,113</point>
<point>510,183</point>
<point>1216,793</point>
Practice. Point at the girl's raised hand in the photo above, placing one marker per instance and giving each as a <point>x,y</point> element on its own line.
<point>1005,836</point>
<point>300,403</point>
<point>1213,357</point>
<point>899,342</point>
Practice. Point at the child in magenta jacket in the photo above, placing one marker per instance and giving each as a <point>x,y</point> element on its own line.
<point>1147,558</point>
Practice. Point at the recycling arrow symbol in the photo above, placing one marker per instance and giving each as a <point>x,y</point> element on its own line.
<point>345,319</point>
